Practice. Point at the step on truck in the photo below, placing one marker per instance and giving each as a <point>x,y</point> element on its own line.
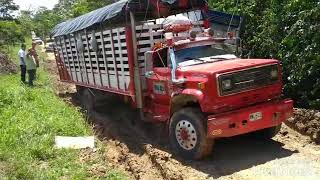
<point>183,75</point>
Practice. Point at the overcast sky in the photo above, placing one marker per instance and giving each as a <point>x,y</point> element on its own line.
<point>33,4</point>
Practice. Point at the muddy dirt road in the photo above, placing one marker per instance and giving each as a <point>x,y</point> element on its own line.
<point>141,150</point>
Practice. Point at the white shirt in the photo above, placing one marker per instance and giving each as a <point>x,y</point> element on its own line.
<point>22,54</point>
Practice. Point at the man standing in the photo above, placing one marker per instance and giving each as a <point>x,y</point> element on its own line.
<point>34,54</point>
<point>22,58</point>
<point>31,66</point>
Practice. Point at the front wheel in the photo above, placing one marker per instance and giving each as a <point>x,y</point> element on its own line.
<point>188,134</point>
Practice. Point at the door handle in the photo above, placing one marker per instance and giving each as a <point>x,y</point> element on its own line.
<point>149,74</point>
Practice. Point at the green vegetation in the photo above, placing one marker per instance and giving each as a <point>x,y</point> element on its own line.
<point>289,31</point>
<point>10,31</point>
<point>30,118</point>
<point>6,8</point>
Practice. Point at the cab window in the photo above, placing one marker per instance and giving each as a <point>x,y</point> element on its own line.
<point>161,58</point>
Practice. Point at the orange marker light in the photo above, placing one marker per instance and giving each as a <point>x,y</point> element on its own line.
<point>201,86</point>
<point>230,35</point>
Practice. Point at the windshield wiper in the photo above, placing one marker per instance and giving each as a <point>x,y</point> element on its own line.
<point>219,58</point>
<point>197,59</point>
<point>223,58</point>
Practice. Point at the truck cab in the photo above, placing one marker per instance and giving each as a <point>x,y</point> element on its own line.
<point>204,91</point>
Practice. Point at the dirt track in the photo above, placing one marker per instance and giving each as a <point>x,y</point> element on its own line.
<point>141,150</point>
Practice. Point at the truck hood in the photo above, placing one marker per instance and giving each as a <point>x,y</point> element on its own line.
<point>226,65</point>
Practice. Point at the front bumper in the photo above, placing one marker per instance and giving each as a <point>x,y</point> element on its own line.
<point>238,122</point>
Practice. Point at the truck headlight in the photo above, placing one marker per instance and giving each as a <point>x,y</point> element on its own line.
<point>226,84</point>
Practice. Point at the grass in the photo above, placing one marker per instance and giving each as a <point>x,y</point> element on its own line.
<point>30,118</point>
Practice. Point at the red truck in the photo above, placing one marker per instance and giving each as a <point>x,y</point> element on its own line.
<point>195,84</point>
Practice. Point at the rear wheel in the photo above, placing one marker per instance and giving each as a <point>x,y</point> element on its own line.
<point>188,134</point>
<point>87,99</point>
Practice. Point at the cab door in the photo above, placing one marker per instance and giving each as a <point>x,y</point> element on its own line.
<point>158,76</point>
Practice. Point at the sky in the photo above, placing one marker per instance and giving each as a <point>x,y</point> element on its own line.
<point>34,4</point>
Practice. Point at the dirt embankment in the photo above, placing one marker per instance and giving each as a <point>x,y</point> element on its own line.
<point>6,65</point>
<point>306,122</point>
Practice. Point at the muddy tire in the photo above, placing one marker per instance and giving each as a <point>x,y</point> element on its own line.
<point>188,134</point>
<point>80,89</point>
<point>267,133</point>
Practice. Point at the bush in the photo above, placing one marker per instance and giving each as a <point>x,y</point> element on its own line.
<point>289,31</point>
<point>10,33</point>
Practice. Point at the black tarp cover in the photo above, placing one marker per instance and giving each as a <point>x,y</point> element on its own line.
<point>101,15</point>
<point>89,19</point>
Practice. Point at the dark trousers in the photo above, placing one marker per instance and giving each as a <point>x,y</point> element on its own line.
<point>31,75</point>
<point>23,73</point>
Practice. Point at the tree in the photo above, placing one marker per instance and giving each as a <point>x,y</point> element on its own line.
<point>10,33</point>
<point>6,8</point>
<point>44,21</point>
<point>64,8</point>
<point>26,22</point>
<point>289,31</point>
<point>81,7</point>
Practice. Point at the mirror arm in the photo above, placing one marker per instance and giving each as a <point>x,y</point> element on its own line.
<point>174,68</point>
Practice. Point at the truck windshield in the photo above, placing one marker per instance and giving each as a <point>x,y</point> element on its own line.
<point>202,54</point>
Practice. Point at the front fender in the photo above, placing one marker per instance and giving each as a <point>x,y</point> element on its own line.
<point>194,92</point>
<point>184,98</point>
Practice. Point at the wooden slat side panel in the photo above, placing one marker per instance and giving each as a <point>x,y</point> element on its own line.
<point>109,67</point>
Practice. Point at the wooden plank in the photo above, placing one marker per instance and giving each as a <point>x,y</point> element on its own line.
<point>105,58</point>
<point>151,33</point>
<point>67,57</point>
<point>82,59</point>
<point>114,58</point>
<point>143,50</point>
<point>153,26</point>
<point>122,29</point>
<point>57,56</point>
<point>73,61</point>
<point>78,59</point>
<point>106,32</point>
<point>115,52</point>
<point>112,66</point>
<point>113,81</point>
<point>97,58</point>
<point>90,61</point>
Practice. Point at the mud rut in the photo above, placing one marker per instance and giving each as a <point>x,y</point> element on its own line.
<point>141,149</point>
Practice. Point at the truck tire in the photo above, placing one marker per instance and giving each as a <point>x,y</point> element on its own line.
<point>87,101</point>
<point>267,133</point>
<point>80,89</point>
<point>188,134</point>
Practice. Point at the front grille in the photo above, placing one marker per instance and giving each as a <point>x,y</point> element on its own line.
<point>247,79</point>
